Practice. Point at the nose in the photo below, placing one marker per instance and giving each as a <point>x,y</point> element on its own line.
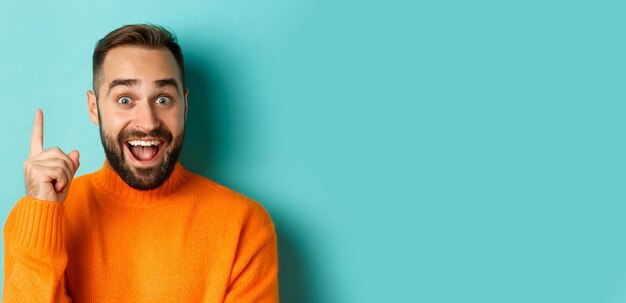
<point>145,117</point>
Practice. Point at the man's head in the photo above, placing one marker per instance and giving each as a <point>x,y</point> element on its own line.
<point>139,102</point>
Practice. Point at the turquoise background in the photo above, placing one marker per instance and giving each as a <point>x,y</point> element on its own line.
<point>444,151</point>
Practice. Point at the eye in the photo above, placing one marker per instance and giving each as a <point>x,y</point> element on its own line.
<point>163,100</point>
<point>124,100</point>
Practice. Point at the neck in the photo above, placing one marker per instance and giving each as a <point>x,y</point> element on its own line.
<point>109,181</point>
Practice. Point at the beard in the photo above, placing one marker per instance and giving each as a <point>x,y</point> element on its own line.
<point>141,178</point>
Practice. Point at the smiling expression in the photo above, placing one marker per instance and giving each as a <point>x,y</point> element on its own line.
<point>140,107</point>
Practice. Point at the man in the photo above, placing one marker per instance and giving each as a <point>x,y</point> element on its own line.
<point>142,228</point>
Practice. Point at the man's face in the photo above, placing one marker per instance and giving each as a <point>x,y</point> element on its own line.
<point>141,109</point>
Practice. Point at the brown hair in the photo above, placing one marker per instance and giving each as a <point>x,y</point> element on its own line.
<point>144,35</point>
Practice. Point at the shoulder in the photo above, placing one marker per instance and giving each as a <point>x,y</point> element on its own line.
<point>81,186</point>
<point>216,195</point>
<point>86,180</point>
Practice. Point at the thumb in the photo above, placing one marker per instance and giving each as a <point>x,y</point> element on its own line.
<point>75,157</point>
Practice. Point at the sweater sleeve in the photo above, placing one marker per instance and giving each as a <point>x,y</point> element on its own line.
<point>35,257</point>
<point>254,276</point>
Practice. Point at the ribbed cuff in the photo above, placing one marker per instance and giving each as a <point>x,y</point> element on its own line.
<point>39,224</point>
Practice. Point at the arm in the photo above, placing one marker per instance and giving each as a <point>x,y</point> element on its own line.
<point>35,257</point>
<point>34,253</point>
<point>254,276</point>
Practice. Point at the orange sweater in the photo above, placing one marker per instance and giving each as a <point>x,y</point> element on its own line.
<point>190,240</point>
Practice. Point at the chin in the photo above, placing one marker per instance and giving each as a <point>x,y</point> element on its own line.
<point>145,173</point>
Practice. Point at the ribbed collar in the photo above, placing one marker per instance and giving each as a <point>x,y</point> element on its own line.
<point>107,180</point>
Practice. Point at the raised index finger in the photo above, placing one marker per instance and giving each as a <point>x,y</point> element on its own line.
<point>36,139</point>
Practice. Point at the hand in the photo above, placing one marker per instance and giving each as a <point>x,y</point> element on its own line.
<point>48,173</point>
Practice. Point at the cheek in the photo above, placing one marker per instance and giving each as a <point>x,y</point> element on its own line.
<point>175,122</point>
<point>112,124</point>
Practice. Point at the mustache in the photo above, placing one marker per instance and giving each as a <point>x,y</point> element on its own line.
<point>158,133</point>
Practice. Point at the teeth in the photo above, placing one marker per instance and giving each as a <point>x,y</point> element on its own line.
<point>143,143</point>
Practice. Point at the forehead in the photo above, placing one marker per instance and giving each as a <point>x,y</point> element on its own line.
<point>144,64</point>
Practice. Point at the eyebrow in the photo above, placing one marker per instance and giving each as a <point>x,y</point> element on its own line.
<point>122,82</point>
<point>167,82</point>
<point>134,82</point>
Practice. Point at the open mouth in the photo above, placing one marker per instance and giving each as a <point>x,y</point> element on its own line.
<point>144,151</point>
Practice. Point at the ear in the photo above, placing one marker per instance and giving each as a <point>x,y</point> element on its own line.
<point>92,106</point>
<point>186,103</point>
